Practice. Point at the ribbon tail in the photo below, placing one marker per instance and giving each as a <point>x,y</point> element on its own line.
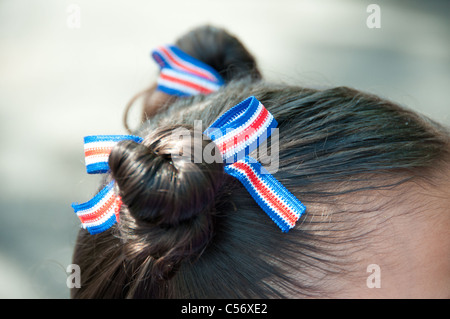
<point>280,204</point>
<point>241,129</point>
<point>101,212</point>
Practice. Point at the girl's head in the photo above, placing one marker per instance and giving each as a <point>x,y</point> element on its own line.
<point>374,177</point>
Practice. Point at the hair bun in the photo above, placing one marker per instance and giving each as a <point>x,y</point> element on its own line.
<point>160,181</point>
<point>168,196</point>
<point>221,50</point>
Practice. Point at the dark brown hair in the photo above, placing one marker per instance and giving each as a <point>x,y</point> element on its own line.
<point>191,231</point>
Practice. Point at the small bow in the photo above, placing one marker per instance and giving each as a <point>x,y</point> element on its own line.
<point>184,75</point>
<point>236,133</point>
<point>102,211</point>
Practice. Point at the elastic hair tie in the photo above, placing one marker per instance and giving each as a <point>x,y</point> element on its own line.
<point>184,75</point>
<point>236,133</point>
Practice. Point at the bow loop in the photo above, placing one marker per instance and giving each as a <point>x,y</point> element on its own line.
<point>101,212</point>
<point>184,75</point>
<point>241,129</point>
<point>97,149</point>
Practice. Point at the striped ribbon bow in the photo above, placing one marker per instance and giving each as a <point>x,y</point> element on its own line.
<point>102,211</point>
<point>184,75</point>
<point>236,133</point>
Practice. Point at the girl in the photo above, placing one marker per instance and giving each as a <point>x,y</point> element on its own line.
<point>374,178</point>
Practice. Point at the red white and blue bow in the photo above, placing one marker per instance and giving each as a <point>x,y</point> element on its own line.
<point>102,211</point>
<point>236,133</point>
<point>184,75</point>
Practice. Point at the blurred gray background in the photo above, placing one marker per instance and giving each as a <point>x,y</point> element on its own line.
<point>62,78</point>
